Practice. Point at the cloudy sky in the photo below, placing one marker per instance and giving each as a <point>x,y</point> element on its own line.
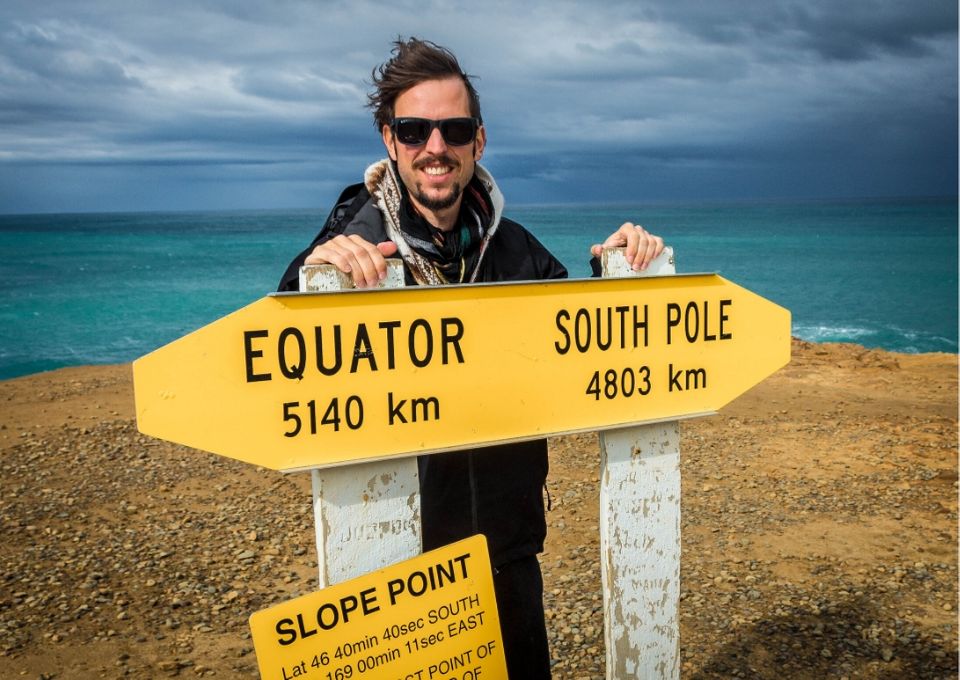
<point>205,104</point>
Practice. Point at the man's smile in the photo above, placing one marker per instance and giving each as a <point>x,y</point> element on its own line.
<point>436,168</point>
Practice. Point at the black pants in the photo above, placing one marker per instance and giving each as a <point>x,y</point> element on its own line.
<point>519,590</point>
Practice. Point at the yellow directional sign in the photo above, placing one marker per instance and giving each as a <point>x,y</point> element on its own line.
<point>433,617</point>
<point>296,381</point>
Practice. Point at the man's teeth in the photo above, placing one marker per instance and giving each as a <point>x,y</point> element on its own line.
<point>436,170</point>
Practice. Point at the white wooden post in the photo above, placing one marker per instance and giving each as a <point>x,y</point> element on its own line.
<point>366,515</point>
<point>640,532</point>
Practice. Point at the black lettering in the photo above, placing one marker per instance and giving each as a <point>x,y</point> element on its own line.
<point>695,374</point>
<point>451,338</point>
<point>368,599</point>
<point>644,373</point>
<point>563,315</point>
<point>347,605</point>
<point>582,345</point>
<point>338,354</point>
<point>420,361</point>
<point>706,322</point>
<point>675,378</point>
<point>692,337</point>
<point>622,311</point>
<point>304,633</point>
<point>693,379</point>
<point>284,631</point>
<point>335,616</point>
<point>462,561</point>
<point>604,346</point>
<point>362,349</point>
<point>395,409</point>
<point>724,318</point>
<point>450,575</point>
<point>637,325</point>
<point>390,327</point>
<point>394,588</point>
<point>418,589</point>
<point>295,370</point>
<point>422,404</point>
<point>249,354</point>
<point>673,319</point>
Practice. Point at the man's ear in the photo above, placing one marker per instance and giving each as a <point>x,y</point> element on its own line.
<point>479,143</point>
<point>389,142</point>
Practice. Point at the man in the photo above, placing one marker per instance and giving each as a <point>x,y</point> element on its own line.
<point>434,204</point>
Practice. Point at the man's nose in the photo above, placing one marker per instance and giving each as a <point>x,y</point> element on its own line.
<point>435,144</point>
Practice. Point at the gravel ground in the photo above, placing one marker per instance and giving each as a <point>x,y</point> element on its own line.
<point>819,521</point>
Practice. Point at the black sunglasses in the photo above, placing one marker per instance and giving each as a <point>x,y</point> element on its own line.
<point>416,131</point>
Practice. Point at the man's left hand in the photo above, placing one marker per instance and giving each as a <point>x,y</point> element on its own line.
<point>642,246</point>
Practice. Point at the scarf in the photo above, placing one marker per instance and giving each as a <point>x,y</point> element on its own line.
<point>434,257</point>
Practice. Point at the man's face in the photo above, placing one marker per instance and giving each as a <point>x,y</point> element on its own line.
<point>435,173</point>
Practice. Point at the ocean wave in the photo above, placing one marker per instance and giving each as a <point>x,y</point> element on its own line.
<point>890,338</point>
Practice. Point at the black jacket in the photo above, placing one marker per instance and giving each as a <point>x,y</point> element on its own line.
<point>495,490</point>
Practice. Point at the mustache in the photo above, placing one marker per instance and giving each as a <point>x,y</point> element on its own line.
<point>442,158</point>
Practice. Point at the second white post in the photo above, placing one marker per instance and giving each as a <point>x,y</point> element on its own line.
<point>640,533</point>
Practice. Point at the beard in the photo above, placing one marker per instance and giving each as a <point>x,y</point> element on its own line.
<point>437,203</point>
<point>440,202</point>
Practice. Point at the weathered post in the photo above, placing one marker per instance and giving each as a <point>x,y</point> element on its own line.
<point>640,532</point>
<point>366,515</point>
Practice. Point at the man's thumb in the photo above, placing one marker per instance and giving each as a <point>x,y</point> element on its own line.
<point>387,248</point>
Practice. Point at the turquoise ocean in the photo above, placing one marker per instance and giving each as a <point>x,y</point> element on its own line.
<point>108,288</point>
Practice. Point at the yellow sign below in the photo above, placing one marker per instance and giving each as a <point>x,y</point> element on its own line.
<point>297,381</point>
<point>433,617</point>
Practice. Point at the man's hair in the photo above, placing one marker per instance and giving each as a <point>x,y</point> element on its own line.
<point>413,62</point>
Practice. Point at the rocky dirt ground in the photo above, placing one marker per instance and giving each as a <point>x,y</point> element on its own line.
<point>819,520</point>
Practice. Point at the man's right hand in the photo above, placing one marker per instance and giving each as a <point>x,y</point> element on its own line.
<point>364,261</point>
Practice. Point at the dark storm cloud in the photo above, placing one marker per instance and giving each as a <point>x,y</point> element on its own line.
<point>583,101</point>
<point>833,30</point>
<point>61,59</point>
